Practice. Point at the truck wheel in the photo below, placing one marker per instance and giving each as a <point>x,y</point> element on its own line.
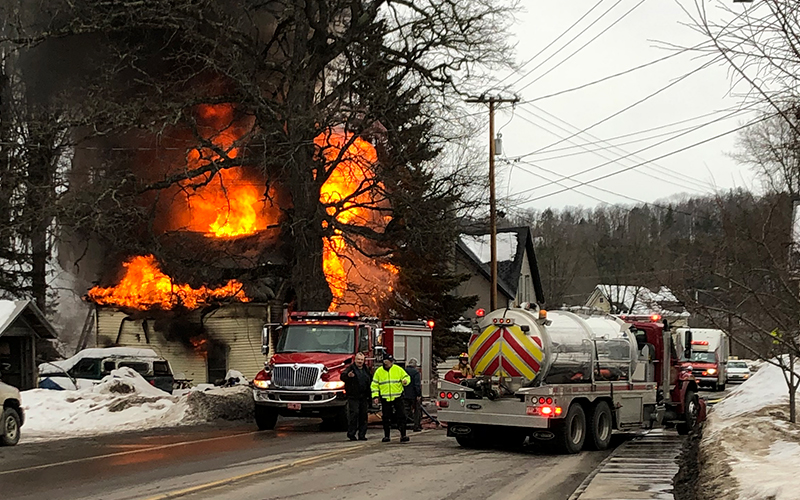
<point>600,427</point>
<point>720,387</point>
<point>266,418</point>
<point>571,432</point>
<point>691,410</point>
<point>9,427</point>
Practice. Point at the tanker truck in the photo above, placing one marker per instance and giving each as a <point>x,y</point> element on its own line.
<point>567,381</point>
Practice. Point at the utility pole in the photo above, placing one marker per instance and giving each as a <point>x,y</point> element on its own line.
<point>492,101</point>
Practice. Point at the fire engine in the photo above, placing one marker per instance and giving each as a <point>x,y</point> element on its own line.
<point>301,377</point>
<point>710,353</point>
<point>568,380</point>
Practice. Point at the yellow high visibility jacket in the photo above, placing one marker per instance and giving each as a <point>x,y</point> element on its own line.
<point>389,384</point>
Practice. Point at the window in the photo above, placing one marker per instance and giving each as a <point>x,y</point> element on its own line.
<point>87,368</point>
<point>108,367</point>
<point>363,339</point>
<point>317,338</point>
<point>161,369</point>
<point>139,367</point>
<point>704,357</point>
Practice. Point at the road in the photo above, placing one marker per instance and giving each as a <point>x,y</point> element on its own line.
<point>296,461</point>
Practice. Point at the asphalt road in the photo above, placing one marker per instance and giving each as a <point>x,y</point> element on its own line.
<point>297,460</point>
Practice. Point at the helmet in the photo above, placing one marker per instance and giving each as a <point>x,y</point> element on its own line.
<point>463,355</point>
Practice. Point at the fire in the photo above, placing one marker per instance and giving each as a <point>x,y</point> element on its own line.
<point>228,202</point>
<point>144,286</point>
<point>349,195</point>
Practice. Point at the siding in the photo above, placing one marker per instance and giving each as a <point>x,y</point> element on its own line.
<point>182,359</point>
<point>238,326</point>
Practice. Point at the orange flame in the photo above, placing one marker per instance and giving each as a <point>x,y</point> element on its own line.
<point>144,286</point>
<point>349,194</point>
<point>225,203</point>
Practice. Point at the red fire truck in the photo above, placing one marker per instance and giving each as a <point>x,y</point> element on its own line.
<point>309,352</point>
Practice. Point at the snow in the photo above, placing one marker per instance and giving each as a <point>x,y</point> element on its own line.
<point>749,434</point>
<point>481,246</point>
<point>640,300</point>
<point>124,401</point>
<point>99,353</point>
<point>7,312</point>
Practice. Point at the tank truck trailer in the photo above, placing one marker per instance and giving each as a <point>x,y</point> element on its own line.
<point>568,380</point>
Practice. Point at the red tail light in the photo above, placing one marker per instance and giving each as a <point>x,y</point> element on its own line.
<point>442,395</point>
<point>442,404</point>
<point>546,410</point>
<point>449,395</point>
<point>541,401</point>
<point>549,401</point>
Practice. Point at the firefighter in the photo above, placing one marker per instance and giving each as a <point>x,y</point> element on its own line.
<point>387,389</point>
<point>462,370</point>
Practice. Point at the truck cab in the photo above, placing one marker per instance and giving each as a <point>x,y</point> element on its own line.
<point>710,351</point>
<point>301,378</point>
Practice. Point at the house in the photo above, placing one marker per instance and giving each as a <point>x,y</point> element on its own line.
<point>640,301</point>
<point>517,271</point>
<point>25,336</point>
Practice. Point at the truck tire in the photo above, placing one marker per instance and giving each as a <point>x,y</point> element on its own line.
<point>720,387</point>
<point>9,427</point>
<point>571,431</point>
<point>601,425</point>
<point>691,410</point>
<point>266,418</point>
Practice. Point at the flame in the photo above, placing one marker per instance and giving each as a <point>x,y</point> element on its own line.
<point>144,286</point>
<point>224,203</point>
<point>349,195</point>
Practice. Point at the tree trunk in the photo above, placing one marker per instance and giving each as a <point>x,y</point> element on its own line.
<point>792,391</point>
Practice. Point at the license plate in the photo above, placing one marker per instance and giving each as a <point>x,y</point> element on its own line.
<point>294,406</point>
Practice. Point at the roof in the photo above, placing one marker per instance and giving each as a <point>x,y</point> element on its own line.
<point>11,310</point>
<point>512,242</point>
<point>640,300</point>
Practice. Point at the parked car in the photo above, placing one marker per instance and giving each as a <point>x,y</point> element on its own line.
<point>89,366</point>
<point>12,415</point>
<point>738,371</point>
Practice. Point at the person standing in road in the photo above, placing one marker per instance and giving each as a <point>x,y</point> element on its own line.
<point>357,380</point>
<point>412,394</point>
<point>387,389</point>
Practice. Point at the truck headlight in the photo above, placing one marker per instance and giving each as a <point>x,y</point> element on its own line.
<point>262,384</point>
<point>712,371</point>
<point>333,385</point>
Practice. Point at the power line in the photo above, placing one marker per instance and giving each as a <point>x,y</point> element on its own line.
<point>669,181</point>
<point>563,33</point>
<point>583,46</point>
<point>584,183</point>
<point>640,101</point>
<point>566,44</point>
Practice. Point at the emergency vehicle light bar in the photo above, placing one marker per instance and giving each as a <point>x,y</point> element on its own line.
<point>311,315</point>
<point>699,342</point>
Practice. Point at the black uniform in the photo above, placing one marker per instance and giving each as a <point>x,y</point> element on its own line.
<point>357,389</point>
<point>411,393</point>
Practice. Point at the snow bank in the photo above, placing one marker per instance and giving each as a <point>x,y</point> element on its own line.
<point>749,449</point>
<point>124,401</point>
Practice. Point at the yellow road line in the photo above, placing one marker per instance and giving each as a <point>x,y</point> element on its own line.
<point>123,453</point>
<point>275,468</point>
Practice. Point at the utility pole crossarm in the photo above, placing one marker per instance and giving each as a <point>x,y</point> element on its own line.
<point>492,101</point>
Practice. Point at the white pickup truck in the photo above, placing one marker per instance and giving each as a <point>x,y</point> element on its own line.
<point>12,415</point>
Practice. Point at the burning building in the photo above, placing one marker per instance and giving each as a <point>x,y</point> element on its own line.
<point>220,274</point>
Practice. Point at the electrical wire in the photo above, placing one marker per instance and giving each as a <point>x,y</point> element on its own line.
<point>666,155</point>
<point>626,14</point>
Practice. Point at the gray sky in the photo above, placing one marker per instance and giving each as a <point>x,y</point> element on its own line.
<point>629,43</point>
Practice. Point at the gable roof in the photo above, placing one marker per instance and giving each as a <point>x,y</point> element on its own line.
<point>512,243</point>
<point>640,300</point>
<point>11,310</point>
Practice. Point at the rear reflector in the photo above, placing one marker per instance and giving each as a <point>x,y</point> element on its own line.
<point>442,404</point>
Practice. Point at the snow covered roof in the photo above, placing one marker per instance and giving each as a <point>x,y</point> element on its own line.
<point>640,300</point>
<point>10,310</point>
<point>101,352</point>
<point>512,243</point>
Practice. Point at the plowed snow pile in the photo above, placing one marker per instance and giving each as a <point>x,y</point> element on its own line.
<point>125,401</point>
<point>749,449</point>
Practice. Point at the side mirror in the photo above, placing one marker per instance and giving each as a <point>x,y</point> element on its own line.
<point>265,340</point>
<point>687,349</point>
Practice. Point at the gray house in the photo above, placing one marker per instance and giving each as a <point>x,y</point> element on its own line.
<point>23,331</point>
<point>516,267</point>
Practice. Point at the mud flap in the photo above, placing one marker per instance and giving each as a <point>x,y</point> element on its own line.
<point>701,414</point>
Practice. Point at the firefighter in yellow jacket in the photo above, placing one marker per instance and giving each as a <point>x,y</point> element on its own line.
<point>387,389</point>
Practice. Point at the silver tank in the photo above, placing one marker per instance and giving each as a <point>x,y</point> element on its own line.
<point>568,342</point>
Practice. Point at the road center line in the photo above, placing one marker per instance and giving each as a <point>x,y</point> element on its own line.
<point>123,453</point>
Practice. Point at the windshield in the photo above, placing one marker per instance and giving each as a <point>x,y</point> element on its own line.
<point>317,338</point>
<point>703,357</point>
<point>737,364</point>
